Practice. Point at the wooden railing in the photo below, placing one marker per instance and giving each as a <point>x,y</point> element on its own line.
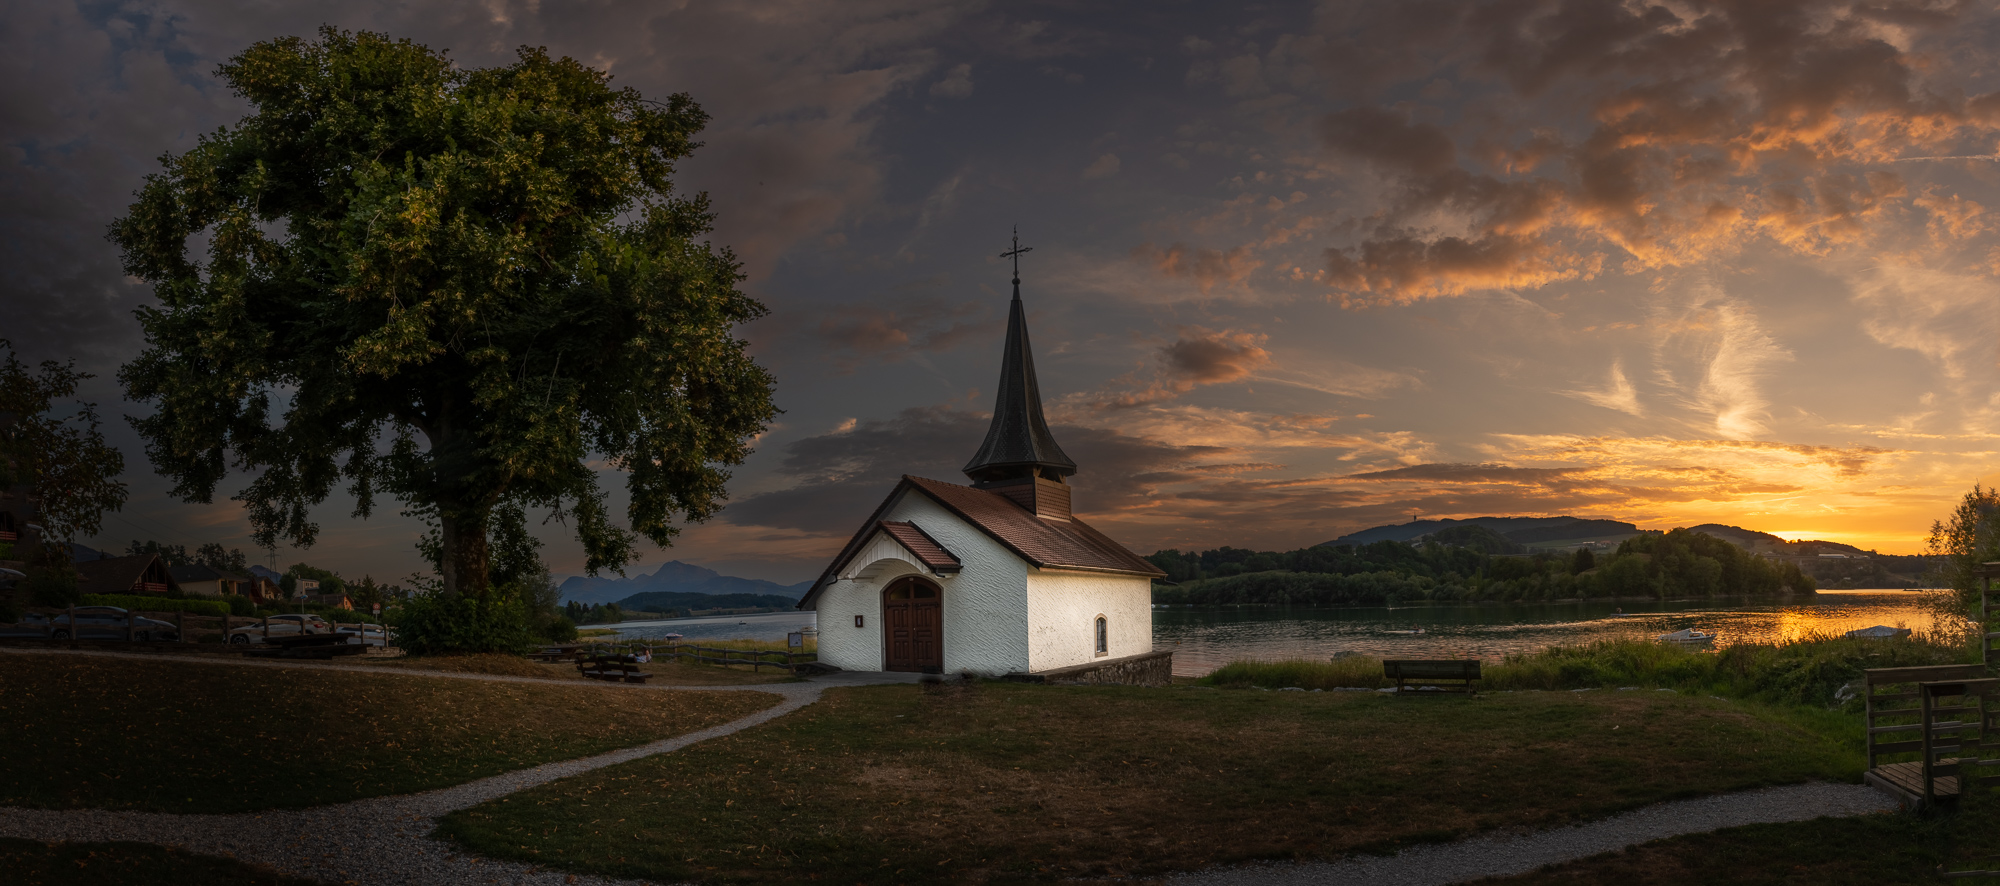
<point>188,627</point>
<point>755,658</point>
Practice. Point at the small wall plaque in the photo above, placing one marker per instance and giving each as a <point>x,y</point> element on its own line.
<point>857,621</point>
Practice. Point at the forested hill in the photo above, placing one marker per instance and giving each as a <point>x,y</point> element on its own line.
<point>676,577</point>
<point>1680,564</point>
<point>1521,530</point>
<point>664,601</point>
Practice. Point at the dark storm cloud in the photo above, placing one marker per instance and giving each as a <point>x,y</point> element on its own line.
<point>842,476</point>
<point>1640,135</point>
<point>97,92</point>
<point>892,330</point>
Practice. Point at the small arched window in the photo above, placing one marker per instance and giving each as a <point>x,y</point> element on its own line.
<point>1103,637</point>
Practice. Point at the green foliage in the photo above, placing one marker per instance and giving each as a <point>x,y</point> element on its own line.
<point>174,554</point>
<point>1678,564</point>
<point>330,582</point>
<point>138,603</point>
<point>210,554</point>
<point>594,614</point>
<point>1958,545</point>
<point>57,450</point>
<point>239,604</point>
<point>1817,671</point>
<point>493,260</point>
<point>1476,537</point>
<point>51,586</point>
<point>1583,561</point>
<point>436,623</point>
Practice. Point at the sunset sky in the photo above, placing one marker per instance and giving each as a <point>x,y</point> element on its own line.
<point>1297,270</point>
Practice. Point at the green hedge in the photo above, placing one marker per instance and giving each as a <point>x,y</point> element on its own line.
<point>157,604</point>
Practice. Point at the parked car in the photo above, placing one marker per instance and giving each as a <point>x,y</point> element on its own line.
<point>109,623</point>
<point>369,635</point>
<point>32,624</point>
<point>289,625</point>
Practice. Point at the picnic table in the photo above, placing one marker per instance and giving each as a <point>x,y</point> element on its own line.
<point>614,668</point>
<point>557,653</point>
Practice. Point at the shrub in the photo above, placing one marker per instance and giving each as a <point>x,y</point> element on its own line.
<point>1818,671</point>
<point>52,587</point>
<point>157,604</point>
<point>239,604</point>
<point>431,623</point>
<point>556,629</point>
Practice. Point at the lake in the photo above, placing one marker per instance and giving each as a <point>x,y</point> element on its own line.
<point>1204,639</point>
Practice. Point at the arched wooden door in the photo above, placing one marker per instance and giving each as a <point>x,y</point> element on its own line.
<point>913,626</point>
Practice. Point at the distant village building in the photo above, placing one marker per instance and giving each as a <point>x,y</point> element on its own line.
<point>130,574</point>
<point>995,578</point>
<point>207,581</point>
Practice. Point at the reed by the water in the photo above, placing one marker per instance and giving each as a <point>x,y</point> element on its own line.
<point>1816,670</point>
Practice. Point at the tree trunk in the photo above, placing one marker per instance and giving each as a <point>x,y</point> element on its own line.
<point>464,542</point>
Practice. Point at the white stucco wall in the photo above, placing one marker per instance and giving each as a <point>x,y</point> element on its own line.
<point>1063,608</point>
<point>985,604</point>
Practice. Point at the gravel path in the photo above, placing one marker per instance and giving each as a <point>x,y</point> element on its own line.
<point>1499,856</point>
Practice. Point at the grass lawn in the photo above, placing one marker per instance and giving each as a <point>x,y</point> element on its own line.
<point>29,863</point>
<point>1871,850</point>
<point>175,736</point>
<point>665,673</point>
<point>996,781</point>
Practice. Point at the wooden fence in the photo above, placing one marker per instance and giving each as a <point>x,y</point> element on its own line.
<point>755,658</point>
<point>188,628</point>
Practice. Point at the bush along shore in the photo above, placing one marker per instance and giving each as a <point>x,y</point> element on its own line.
<point>1821,672</point>
<point>1676,565</point>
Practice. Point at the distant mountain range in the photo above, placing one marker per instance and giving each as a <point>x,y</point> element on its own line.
<point>1560,531</point>
<point>674,577</point>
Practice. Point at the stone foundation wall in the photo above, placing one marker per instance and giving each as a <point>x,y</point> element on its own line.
<point>1144,669</point>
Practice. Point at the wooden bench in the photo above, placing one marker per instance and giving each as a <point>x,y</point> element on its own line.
<point>1458,673</point>
<point>615,668</point>
<point>1947,715</point>
<point>556,653</point>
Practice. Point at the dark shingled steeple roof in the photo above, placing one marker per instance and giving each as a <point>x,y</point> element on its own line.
<point>1018,443</point>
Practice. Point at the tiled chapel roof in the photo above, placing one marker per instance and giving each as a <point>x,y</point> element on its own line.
<point>1044,543</point>
<point>922,545</point>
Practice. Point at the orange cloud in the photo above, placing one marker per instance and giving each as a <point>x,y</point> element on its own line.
<point>1708,124</point>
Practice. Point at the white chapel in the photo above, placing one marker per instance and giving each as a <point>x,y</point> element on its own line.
<point>996,578</point>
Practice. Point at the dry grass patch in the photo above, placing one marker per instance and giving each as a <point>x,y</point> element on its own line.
<point>665,673</point>
<point>996,781</point>
<point>176,736</point>
<point>1869,850</point>
<point>29,863</point>
<point>494,664</point>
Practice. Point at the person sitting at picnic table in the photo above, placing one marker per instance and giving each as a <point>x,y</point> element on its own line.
<point>644,655</point>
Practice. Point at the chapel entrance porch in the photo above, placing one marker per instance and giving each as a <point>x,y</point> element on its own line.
<point>913,626</point>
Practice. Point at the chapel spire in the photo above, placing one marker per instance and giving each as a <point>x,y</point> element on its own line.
<point>1019,450</point>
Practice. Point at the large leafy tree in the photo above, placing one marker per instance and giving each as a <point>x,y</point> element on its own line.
<point>54,449</point>
<point>454,286</point>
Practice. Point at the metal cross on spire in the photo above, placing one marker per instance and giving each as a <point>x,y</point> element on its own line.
<point>1015,254</point>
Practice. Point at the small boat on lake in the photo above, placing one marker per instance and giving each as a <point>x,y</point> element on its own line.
<point>1878,632</point>
<point>1417,631</point>
<point>671,637</point>
<point>1688,636</point>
